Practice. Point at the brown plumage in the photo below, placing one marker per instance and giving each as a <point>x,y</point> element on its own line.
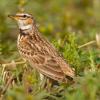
<point>40,53</point>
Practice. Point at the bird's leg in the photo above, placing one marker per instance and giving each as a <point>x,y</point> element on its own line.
<point>43,81</point>
<point>49,84</point>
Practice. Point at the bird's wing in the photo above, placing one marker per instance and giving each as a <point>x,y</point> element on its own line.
<point>47,66</point>
<point>51,67</point>
<point>65,67</point>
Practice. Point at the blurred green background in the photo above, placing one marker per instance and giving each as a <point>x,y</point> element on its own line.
<point>68,24</point>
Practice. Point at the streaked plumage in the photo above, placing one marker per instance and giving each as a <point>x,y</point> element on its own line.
<point>40,53</point>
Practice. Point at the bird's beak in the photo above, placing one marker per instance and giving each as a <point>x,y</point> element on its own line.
<point>13,17</point>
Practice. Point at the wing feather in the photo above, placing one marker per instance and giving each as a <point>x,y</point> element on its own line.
<point>47,66</point>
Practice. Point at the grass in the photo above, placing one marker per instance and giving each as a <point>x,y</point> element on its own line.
<point>70,33</point>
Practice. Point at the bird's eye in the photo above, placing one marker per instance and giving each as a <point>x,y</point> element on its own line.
<point>24,16</point>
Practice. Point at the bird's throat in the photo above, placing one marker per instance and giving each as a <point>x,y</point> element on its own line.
<point>25,27</point>
<point>25,30</point>
<point>28,30</point>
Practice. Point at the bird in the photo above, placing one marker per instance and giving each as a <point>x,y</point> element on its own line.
<point>39,52</point>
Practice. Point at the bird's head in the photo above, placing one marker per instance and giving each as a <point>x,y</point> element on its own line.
<point>24,20</point>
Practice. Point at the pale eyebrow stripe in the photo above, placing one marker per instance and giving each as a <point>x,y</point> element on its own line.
<point>20,15</point>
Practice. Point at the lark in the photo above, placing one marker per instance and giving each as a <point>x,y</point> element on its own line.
<point>39,52</point>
